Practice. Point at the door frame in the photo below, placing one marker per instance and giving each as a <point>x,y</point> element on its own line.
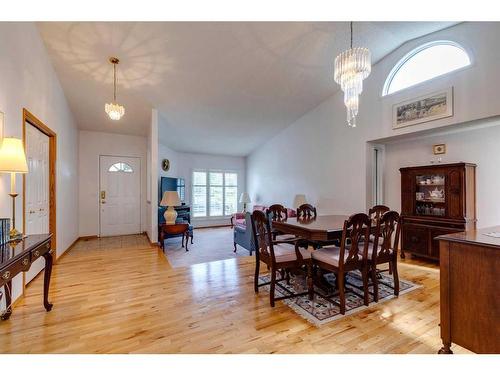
<point>29,118</point>
<point>141,208</point>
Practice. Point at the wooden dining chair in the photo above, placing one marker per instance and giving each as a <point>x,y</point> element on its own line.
<point>278,212</point>
<point>384,249</point>
<point>278,256</point>
<point>375,214</point>
<point>306,212</point>
<point>377,211</point>
<point>350,256</point>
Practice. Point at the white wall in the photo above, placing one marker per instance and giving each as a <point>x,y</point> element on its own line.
<point>182,165</point>
<point>91,146</point>
<point>318,155</point>
<point>28,80</point>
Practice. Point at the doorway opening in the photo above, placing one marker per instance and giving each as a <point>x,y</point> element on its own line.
<point>31,120</point>
<point>39,185</point>
<point>377,174</point>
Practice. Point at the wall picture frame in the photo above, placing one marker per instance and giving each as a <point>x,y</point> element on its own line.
<point>439,149</point>
<point>430,107</point>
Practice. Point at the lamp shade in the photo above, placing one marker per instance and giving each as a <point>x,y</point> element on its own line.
<point>12,156</point>
<point>170,198</point>
<point>245,198</point>
<point>299,200</point>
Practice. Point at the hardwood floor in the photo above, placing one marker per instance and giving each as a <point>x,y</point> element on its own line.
<point>119,295</point>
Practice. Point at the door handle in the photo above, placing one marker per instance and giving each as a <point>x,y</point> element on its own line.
<point>103,202</point>
<point>103,195</point>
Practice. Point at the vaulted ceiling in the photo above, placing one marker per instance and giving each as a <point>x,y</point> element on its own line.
<point>221,87</point>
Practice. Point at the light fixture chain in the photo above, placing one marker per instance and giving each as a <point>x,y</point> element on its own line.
<point>351,34</point>
<point>114,82</point>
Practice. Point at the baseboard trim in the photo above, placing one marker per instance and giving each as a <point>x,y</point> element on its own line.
<point>85,238</point>
<point>154,244</point>
<point>67,250</point>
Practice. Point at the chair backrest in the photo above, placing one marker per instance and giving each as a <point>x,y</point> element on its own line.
<point>306,211</point>
<point>356,229</point>
<point>387,235</point>
<point>278,212</point>
<point>262,236</point>
<point>377,211</point>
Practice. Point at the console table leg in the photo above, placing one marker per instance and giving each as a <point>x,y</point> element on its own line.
<point>8,301</point>
<point>46,280</point>
<point>446,349</point>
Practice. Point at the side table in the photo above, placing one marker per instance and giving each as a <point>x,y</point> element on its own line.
<point>176,230</point>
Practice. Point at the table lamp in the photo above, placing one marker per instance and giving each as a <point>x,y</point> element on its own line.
<point>245,199</point>
<point>170,199</point>
<point>13,160</point>
<point>299,200</point>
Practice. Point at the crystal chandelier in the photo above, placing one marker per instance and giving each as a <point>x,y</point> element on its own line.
<point>351,68</point>
<point>114,110</point>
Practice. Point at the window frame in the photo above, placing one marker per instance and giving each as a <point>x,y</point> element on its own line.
<point>207,192</point>
<point>394,71</point>
<point>120,167</point>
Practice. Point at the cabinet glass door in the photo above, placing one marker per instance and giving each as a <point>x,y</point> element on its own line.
<point>430,195</point>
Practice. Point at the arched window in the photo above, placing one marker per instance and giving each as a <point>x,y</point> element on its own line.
<point>120,167</point>
<point>424,63</point>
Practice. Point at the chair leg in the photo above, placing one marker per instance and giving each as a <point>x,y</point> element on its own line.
<point>182,243</point>
<point>366,296</point>
<point>396,277</point>
<point>340,277</point>
<point>310,286</point>
<point>390,268</point>
<point>273,285</point>
<point>375,282</point>
<point>256,278</point>
<point>235,247</point>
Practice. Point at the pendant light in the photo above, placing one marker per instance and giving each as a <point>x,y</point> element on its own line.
<point>351,68</point>
<point>114,110</point>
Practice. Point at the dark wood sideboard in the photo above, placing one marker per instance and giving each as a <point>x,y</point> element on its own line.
<point>435,200</point>
<point>469,283</point>
<point>17,257</point>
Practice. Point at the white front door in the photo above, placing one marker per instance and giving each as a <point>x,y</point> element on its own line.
<point>37,190</point>
<point>120,195</point>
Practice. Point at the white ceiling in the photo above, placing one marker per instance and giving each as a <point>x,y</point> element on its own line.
<point>221,87</point>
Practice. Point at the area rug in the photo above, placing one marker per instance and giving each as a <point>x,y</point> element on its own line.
<point>209,245</point>
<point>320,310</point>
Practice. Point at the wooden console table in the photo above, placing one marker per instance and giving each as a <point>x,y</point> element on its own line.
<point>175,230</point>
<point>470,306</point>
<point>17,257</point>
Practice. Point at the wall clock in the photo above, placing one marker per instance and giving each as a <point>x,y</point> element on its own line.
<point>165,165</point>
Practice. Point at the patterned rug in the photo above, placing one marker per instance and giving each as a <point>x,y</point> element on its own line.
<point>320,310</point>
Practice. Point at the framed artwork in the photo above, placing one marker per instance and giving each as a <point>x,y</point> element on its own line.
<point>429,107</point>
<point>439,149</point>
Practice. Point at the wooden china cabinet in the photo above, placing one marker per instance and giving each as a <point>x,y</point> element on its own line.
<point>436,200</point>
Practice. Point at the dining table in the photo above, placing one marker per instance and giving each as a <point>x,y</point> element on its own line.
<point>319,228</point>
